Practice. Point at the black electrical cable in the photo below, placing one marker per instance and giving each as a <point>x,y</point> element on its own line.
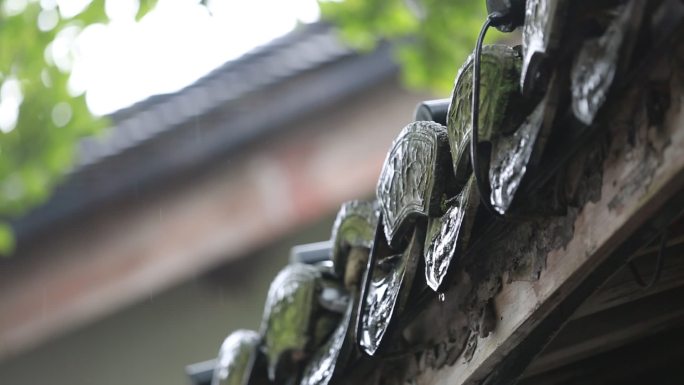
<point>493,19</point>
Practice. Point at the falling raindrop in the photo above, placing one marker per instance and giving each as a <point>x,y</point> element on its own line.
<point>61,114</point>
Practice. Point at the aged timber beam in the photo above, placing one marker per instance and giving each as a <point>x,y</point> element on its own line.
<point>611,329</point>
<point>654,360</point>
<point>622,288</point>
<point>640,192</point>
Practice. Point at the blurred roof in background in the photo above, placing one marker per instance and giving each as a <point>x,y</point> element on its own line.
<point>187,182</point>
<point>248,98</point>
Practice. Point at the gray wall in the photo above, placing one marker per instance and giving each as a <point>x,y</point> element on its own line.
<point>152,341</point>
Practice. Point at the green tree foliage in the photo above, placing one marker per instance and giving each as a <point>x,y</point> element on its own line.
<point>40,121</point>
<point>433,37</point>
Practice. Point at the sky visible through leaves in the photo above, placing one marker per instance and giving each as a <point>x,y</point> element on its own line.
<point>66,64</point>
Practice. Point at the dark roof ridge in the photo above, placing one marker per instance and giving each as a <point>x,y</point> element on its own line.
<point>301,31</point>
<point>306,47</point>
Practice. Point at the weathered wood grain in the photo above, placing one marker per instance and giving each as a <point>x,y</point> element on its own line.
<point>643,169</point>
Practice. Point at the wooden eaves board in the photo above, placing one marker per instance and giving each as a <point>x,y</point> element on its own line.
<point>641,191</point>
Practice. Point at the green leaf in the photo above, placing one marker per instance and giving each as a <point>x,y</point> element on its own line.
<point>6,240</point>
<point>144,7</point>
<point>36,152</point>
<point>430,46</point>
